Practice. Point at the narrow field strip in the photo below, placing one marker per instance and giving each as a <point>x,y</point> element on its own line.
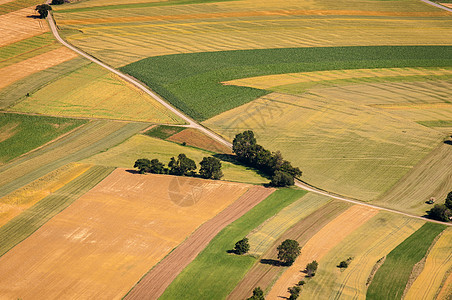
<point>90,139</point>
<point>265,274</point>
<point>369,243</point>
<point>16,26</point>
<point>33,65</point>
<point>22,226</point>
<point>320,244</point>
<point>195,138</point>
<point>446,290</point>
<point>389,284</point>
<point>154,283</point>
<point>102,244</point>
<point>7,6</point>
<point>264,236</point>
<point>16,202</point>
<point>437,265</point>
<point>203,279</point>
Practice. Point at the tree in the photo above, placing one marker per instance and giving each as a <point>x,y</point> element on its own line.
<point>183,166</point>
<point>449,200</point>
<point>258,294</point>
<point>311,268</point>
<point>143,165</point>
<point>242,246</point>
<point>440,212</point>
<point>294,292</point>
<point>288,251</point>
<point>281,179</point>
<point>210,168</point>
<point>43,10</point>
<point>57,2</point>
<point>157,167</point>
<point>242,144</point>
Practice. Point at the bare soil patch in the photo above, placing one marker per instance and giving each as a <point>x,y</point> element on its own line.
<point>195,138</point>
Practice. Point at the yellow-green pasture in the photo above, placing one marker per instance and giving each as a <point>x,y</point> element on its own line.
<point>93,92</point>
<point>354,150</point>
<point>264,236</point>
<point>141,146</point>
<point>372,241</point>
<point>136,33</point>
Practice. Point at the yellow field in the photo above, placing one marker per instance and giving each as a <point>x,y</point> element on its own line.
<point>334,141</point>
<point>16,26</point>
<point>438,263</point>
<point>265,235</point>
<point>151,31</point>
<point>446,291</point>
<point>98,94</point>
<point>33,65</point>
<point>320,244</point>
<point>366,246</point>
<point>101,245</point>
<point>141,146</point>
<point>16,202</point>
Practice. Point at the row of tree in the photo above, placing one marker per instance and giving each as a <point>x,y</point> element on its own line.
<point>249,152</point>
<point>442,212</point>
<point>182,166</point>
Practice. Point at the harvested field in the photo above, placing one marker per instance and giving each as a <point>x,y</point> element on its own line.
<point>16,202</point>
<point>150,214</point>
<point>264,236</point>
<point>141,146</point>
<point>100,94</point>
<point>265,274</point>
<point>88,140</point>
<point>25,224</point>
<point>20,134</point>
<point>15,26</point>
<point>366,246</point>
<point>432,177</point>
<point>7,6</point>
<point>154,283</point>
<point>446,290</point>
<point>340,146</point>
<point>19,89</point>
<point>320,244</point>
<point>196,138</point>
<point>388,284</point>
<point>203,279</point>
<point>35,64</point>
<point>437,266</point>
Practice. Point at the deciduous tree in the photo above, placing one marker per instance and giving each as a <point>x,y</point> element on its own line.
<point>242,246</point>
<point>288,251</point>
<point>210,168</point>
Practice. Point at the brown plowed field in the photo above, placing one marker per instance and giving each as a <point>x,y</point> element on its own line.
<point>319,245</point>
<point>263,274</point>
<point>196,138</point>
<point>159,278</point>
<point>101,245</point>
<point>33,65</point>
<point>17,26</point>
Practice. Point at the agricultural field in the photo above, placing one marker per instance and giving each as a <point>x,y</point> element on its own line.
<point>7,6</point>
<point>16,26</point>
<point>145,30</point>
<point>203,280</point>
<point>20,134</point>
<point>99,94</point>
<point>80,243</point>
<point>142,146</point>
<point>390,284</point>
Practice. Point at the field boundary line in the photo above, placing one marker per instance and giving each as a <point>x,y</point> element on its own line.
<point>192,123</point>
<point>437,5</point>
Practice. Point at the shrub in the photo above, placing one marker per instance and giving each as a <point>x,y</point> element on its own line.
<point>311,268</point>
<point>258,294</point>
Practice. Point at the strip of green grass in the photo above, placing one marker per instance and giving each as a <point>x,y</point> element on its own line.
<point>18,90</point>
<point>17,4</point>
<point>436,123</point>
<point>214,273</point>
<point>192,82</point>
<point>22,226</point>
<point>24,133</point>
<point>138,5</point>
<point>391,278</point>
<point>163,131</point>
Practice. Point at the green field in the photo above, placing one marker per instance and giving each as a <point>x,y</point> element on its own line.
<point>391,278</point>
<point>186,79</point>
<point>22,133</point>
<point>141,146</point>
<point>33,218</point>
<point>214,273</point>
<point>163,131</point>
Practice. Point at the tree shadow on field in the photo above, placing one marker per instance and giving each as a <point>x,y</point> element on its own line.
<point>230,158</point>
<point>34,17</point>
<point>272,262</point>
<point>448,142</point>
<point>131,171</point>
